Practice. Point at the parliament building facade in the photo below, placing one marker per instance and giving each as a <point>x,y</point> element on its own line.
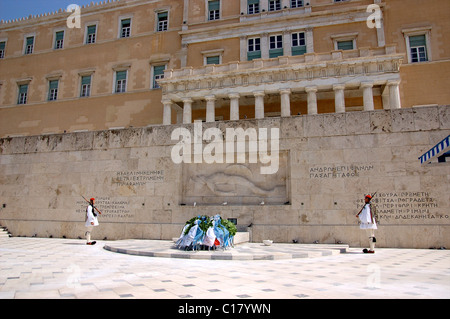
<point>123,64</point>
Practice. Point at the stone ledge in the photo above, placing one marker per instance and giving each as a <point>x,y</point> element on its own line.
<point>427,118</point>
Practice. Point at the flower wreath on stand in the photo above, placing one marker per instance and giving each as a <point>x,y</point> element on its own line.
<point>203,232</point>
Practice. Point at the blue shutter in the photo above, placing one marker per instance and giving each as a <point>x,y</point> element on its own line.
<point>417,40</point>
<point>214,5</point>
<point>86,80</point>
<point>121,75</point>
<point>345,45</point>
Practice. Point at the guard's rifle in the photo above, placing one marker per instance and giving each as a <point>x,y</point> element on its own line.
<point>92,205</point>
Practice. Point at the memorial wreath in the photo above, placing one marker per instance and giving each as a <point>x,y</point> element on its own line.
<point>206,232</point>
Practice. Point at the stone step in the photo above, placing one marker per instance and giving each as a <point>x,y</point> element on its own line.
<point>244,251</point>
<point>4,232</point>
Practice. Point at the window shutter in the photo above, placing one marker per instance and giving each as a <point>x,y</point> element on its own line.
<point>213,59</point>
<point>299,50</point>
<point>86,80</point>
<point>126,22</point>
<point>158,69</point>
<point>214,5</point>
<point>91,29</point>
<point>417,40</point>
<point>54,84</point>
<point>162,15</point>
<point>121,75</point>
<point>253,2</point>
<point>23,89</point>
<point>345,45</point>
<point>59,35</point>
<point>2,45</point>
<point>30,40</point>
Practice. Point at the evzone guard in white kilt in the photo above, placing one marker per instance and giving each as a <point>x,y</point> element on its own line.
<point>91,221</point>
<point>367,218</point>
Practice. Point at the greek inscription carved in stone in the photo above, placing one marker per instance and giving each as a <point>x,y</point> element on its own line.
<point>111,208</point>
<point>138,178</point>
<point>338,171</point>
<point>407,207</point>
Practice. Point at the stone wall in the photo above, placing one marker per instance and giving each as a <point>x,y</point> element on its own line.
<point>330,162</point>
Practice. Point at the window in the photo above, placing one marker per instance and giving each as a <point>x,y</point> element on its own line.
<point>298,43</point>
<point>121,81</point>
<point>125,28</point>
<point>340,0</point>
<point>53,90</point>
<point>23,94</point>
<point>296,3</point>
<point>2,49</point>
<point>345,41</point>
<point>418,48</point>
<point>212,56</point>
<point>163,19</point>
<point>158,73</point>
<point>345,45</point>
<point>91,34</point>
<point>274,5</point>
<point>213,10</point>
<point>275,45</point>
<point>254,49</point>
<point>59,40</point>
<point>29,45</point>
<point>213,59</point>
<point>85,86</point>
<point>253,6</point>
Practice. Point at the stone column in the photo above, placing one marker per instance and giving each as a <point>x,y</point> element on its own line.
<point>394,94</point>
<point>187,111</point>
<point>259,104</point>
<point>210,108</point>
<point>312,99</point>
<point>339,98</point>
<point>285,102</point>
<point>234,106</point>
<point>167,114</point>
<point>367,95</point>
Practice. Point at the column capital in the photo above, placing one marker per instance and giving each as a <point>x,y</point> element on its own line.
<point>338,86</point>
<point>393,82</point>
<point>210,97</point>
<point>366,85</point>
<point>234,96</point>
<point>166,101</point>
<point>258,93</point>
<point>285,91</point>
<point>311,89</point>
<point>187,100</point>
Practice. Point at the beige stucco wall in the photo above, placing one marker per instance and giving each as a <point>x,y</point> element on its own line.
<point>421,83</point>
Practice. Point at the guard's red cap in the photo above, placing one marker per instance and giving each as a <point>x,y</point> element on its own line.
<point>92,199</point>
<point>369,196</point>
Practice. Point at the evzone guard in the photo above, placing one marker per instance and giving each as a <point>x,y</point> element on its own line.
<point>91,221</point>
<point>367,217</point>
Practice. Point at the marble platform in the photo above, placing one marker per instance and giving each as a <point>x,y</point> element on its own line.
<point>244,251</point>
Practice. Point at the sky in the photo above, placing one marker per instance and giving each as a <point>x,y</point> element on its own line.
<point>14,9</point>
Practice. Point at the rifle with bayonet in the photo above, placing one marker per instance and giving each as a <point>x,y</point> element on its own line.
<point>92,205</point>
<point>371,197</point>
